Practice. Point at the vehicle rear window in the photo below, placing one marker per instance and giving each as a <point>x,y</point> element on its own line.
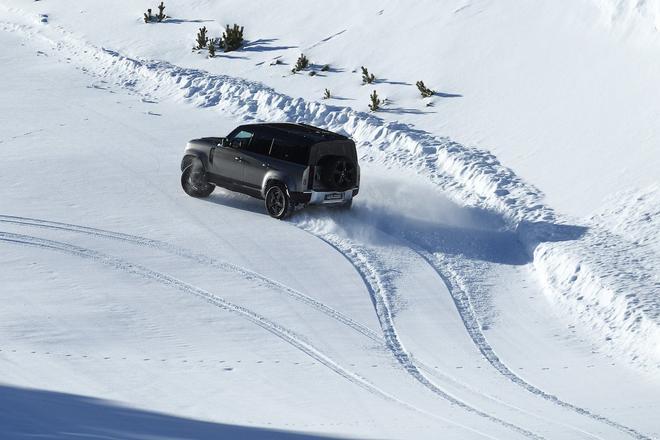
<point>290,151</point>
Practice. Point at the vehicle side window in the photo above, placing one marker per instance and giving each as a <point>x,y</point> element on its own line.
<point>286,150</point>
<point>241,139</point>
<point>260,144</point>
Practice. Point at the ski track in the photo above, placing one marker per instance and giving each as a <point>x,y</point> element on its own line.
<point>261,321</point>
<point>360,258</point>
<point>200,259</point>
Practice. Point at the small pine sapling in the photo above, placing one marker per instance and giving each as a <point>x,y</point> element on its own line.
<point>161,15</point>
<point>232,38</point>
<point>202,39</point>
<point>326,94</point>
<point>147,16</point>
<point>367,78</point>
<point>375,102</point>
<point>301,64</point>
<point>325,68</point>
<point>425,91</point>
<point>312,73</point>
<point>211,45</point>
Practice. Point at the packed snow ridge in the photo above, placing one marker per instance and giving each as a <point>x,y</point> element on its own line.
<point>596,274</point>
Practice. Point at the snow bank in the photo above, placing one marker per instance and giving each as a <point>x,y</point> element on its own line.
<point>609,285</point>
<point>594,275</point>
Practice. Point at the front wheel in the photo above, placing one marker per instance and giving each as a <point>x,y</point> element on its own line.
<point>193,181</point>
<point>278,203</point>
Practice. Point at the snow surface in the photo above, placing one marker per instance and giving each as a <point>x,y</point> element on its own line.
<point>470,293</point>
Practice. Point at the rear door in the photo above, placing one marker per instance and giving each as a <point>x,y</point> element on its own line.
<point>255,158</point>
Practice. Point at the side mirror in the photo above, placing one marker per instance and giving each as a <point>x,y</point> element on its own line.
<point>223,142</point>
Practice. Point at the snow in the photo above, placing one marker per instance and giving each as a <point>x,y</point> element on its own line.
<point>499,266</point>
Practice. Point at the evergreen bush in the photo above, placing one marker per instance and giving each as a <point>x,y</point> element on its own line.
<point>425,91</point>
<point>232,38</point>
<point>367,78</point>
<point>375,102</point>
<point>161,15</point>
<point>301,64</point>
<point>202,39</point>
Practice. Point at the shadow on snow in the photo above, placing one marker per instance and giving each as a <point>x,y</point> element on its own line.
<point>30,413</point>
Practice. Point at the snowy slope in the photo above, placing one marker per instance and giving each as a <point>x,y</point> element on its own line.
<point>406,317</point>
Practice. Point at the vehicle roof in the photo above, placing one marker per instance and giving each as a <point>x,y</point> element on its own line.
<point>314,134</point>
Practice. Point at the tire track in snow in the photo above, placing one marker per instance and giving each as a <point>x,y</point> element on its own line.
<point>470,321</point>
<point>261,321</point>
<point>359,258</point>
<point>200,259</point>
<point>206,260</point>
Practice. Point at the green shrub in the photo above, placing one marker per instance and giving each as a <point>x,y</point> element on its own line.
<point>232,38</point>
<point>202,39</point>
<point>147,16</point>
<point>161,15</point>
<point>375,102</point>
<point>301,64</point>
<point>326,94</point>
<point>212,42</point>
<point>425,91</point>
<point>325,68</point>
<point>367,78</point>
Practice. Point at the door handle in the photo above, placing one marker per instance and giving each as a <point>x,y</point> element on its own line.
<point>265,165</point>
<point>238,159</point>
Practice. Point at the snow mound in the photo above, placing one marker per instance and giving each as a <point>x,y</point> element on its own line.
<point>610,287</point>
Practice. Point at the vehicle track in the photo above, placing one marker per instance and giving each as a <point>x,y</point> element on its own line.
<point>467,314</point>
<point>466,311</point>
<point>200,259</point>
<point>206,260</point>
<point>359,259</point>
<point>263,322</point>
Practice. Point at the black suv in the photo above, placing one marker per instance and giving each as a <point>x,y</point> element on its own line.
<point>287,165</point>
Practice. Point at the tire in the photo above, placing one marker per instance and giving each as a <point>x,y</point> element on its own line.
<point>277,202</point>
<point>193,180</point>
<point>338,173</point>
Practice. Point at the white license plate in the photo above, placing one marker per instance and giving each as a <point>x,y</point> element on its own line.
<point>334,196</point>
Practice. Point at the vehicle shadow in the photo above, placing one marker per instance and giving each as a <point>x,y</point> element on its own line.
<point>31,413</point>
<point>437,226</point>
<point>236,200</point>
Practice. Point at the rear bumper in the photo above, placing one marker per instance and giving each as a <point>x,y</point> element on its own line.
<point>324,197</point>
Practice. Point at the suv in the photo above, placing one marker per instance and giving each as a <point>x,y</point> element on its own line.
<point>287,165</point>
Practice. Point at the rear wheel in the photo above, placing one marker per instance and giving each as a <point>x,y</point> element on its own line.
<point>194,182</point>
<point>278,203</point>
